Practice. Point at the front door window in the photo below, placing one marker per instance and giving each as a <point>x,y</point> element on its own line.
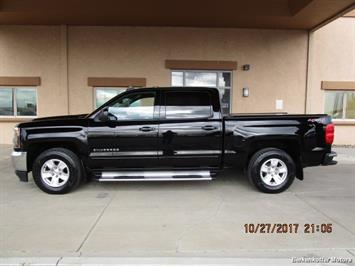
<point>104,94</point>
<point>134,106</point>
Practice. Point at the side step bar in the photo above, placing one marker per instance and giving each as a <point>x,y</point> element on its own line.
<point>193,175</point>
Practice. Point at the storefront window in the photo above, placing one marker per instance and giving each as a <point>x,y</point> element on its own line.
<point>6,101</point>
<point>221,80</point>
<point>340,104</point>
<point>177,78</point>
<point>350,105</point>
<point>26,101</point>
<point>21,101</point>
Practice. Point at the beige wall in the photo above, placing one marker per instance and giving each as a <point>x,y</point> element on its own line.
<point>65,57</point>
<point>277,59</point>
<point>332,58</point>
<point>6,132</point>
<point>34,51</point>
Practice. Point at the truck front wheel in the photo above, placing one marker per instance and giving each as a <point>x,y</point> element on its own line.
<point>271,170</point>
<point>57,171</point>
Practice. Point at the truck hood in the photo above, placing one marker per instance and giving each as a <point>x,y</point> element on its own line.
<point>62,117</point>
<point>56,121</point>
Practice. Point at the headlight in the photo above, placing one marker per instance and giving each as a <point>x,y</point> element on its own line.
<point>17,138</point>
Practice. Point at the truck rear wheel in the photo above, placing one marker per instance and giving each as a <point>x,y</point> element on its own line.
<point>57,171</point>
<point>271,170</point>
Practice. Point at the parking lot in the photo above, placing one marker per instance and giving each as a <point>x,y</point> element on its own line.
<point>183,219</point>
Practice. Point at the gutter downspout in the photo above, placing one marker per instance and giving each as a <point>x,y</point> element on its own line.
<point>64,79</point>
<point>308,70</point>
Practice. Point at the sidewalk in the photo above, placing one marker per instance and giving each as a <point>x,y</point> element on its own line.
<point>177,224</point>
<point>345,154</point>
<point>262,258</point>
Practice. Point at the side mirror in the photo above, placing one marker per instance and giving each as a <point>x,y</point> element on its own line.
<point>103,115</point>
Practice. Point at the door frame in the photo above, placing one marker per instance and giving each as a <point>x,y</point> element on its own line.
<point>113,154</point>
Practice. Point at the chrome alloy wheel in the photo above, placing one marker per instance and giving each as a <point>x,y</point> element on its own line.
<point>55,173</point>
<point>273,172</point>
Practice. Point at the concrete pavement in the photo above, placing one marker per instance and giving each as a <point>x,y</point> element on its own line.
<point>200,220</point>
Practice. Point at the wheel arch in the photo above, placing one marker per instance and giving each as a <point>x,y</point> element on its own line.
<point>290,146</point>
<point>35,149</point>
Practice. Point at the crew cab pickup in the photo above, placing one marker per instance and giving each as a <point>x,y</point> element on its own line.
<point>169,134</point>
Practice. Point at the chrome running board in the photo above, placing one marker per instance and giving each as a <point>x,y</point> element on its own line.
<point>193,175</point>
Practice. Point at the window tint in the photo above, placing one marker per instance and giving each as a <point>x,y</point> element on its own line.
<point>188,105</point>
<point>6,101</point>
<point>137,106</point>
<point>222,80</point>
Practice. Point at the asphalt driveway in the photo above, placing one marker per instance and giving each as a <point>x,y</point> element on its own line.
<point>187,219</point>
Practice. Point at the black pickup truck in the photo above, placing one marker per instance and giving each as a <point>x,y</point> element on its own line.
<point>169,134</point>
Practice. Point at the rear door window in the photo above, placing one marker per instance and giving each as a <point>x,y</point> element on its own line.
<point>187,104</point>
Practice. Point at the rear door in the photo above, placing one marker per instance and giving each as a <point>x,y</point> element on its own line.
<point>190,131</point>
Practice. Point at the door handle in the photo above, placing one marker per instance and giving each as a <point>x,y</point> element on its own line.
<point>208,127</point>
<point>147,129</point>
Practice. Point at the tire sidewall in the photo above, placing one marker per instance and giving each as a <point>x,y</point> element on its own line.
<point>255,171</point>
<point>74,172</point>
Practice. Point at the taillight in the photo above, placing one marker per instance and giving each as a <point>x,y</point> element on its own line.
<point>329,133</point>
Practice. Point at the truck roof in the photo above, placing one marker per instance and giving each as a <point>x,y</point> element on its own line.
<point>175,88</point>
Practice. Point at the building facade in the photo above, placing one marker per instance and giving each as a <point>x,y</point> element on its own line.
<point>331,76</point>
<point>59,70</point>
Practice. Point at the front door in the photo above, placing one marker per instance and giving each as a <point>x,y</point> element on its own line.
<point>190,132</point>
<point>129,138</point>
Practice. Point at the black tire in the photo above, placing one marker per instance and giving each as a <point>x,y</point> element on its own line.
<point>74,171</point>
<point>264,156</point>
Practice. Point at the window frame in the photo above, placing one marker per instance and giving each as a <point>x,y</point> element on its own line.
<point>343,119</point>
<point>207,71</point>
<point>14,102</point>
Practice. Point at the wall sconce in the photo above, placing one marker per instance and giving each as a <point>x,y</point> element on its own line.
<point>246,67</point>
<point>245,92</point>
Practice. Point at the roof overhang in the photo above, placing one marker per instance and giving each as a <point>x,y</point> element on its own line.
<point>270,14</point>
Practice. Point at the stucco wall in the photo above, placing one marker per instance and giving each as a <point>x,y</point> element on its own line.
<point>6,132</point>
<point>65,57</point>
<point>34,51</point>
<point>332,58</point>
<point>277,59</point>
